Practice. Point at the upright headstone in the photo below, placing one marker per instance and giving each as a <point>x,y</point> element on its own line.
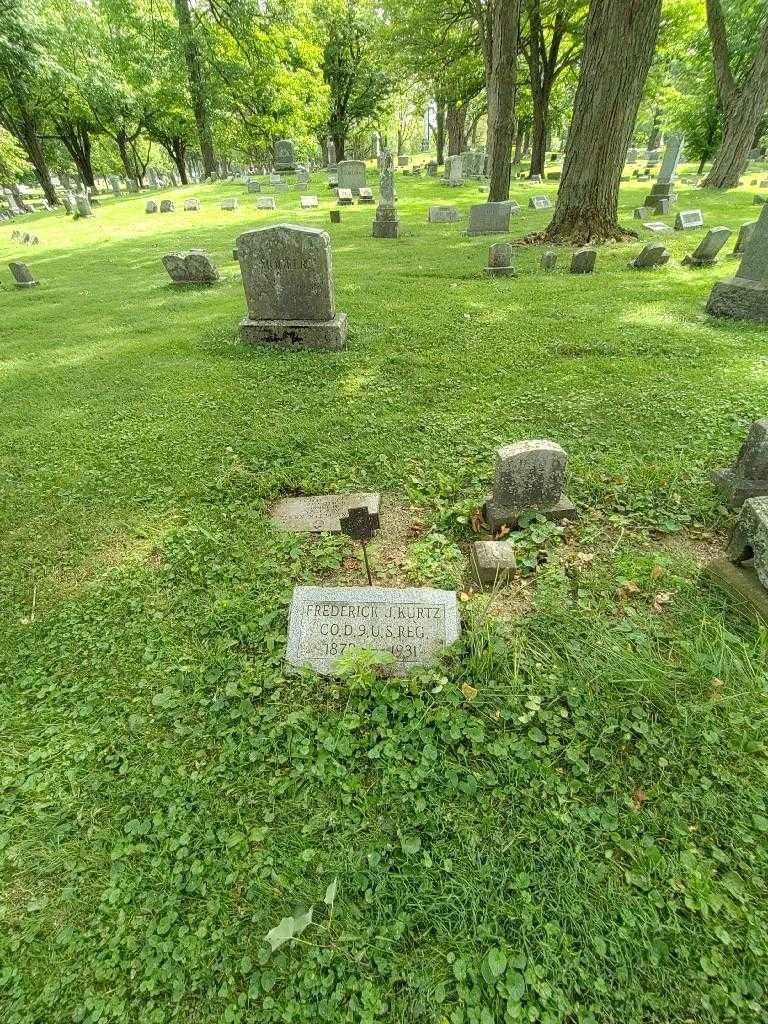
<point>583,260</point>
<point>432,169</point>
<point>750,537</point>
<point>22,275</point>
<point>351,174</point>
<point>745,233</point>
<point>706,252</point>
<point>663,189</point>
<point>167,206</point>
<point>330,152</point>
<point>747,477</point>
<point>528,477</point>
<point>191,204</point>
<point>194,267</point>
<point>403,161</point>
<point>83,206</point>
<point>442,214</point>
<point>386,223</point>
<point>456,171</point>
<point>411,625</point>
<point>254,186</point>
<point>151,206</point>
<point>229,203</point>
<point>115,184</point>
<point>652,255</point>
<point>489,219</point>
<point>745,296</point>
<point>266,203</point>
<point>548,260</point>
<point>284,155</point>
<point>500,260</point>
<point>288,284</point>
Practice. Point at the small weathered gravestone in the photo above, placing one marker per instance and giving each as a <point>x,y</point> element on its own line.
<point>386,223</point>
<point>230,203</point>
<point>335,216</point>
<point>493,561</point>
<point>432,167</point>
<point>706,252</point>
<point>745,296</point>
<point>115,184</point>
<point>528,477</point>
<point>657,226</point>
<point>191,268</point>
<point>167,206</point>
<point>351,175</point>
<point>266,203</point>
<point>548,260</point>
<point>365,196</point>
<point>662,192</point>
<point>191,204</point>
<point>642,212</point>
<point>22,275</point>
<point>320,513</point>
<point>83,206</point>
<point>652,255</point>
<point>539,203</point>
<point>308,202</point>
<point>583,260</point>
<point>443,215</point>
<point>254,186</point>
<point>745,233</point>
<point>749,541</point>
<point>689,219</point>
<point>747,477</point>
<point>411,625</point>
<point>151,206</point>
<point>132,185</point>
<point>403,160</point>
<point>489,219</point>
<point>344,196</point>
<point>286,271</point>
<point>500,260</point>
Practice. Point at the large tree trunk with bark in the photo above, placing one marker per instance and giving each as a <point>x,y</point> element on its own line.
<point>502,84</point>
<point>77,139</point>
<point>455,124</point>
<point>519,139</point>
<point>618,50</point>
<point>742,104</point>
<point>30,140</point>
<point>440,132</point>
<point>339,145</point>
<point>196,85</point>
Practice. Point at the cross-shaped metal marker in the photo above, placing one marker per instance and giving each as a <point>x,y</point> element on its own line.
<point>360,524</point>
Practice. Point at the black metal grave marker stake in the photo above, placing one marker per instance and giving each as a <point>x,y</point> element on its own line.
<point>360,524</point>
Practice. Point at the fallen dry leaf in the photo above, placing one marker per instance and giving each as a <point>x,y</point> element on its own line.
<point>660,601</point>
<point>626,590</point>
<point>477,521</point>
<point>657,572</point>
<point>469,691</point>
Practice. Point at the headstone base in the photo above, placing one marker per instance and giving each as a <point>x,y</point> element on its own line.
<point>741,583</point>
<point>496,516</point>
<point>698,261</point>
<point>322,334</point>
<point>500,271</point>
<point>386,226</point>
<point>26,284</point>
<point>739,299</point>
<point>735,489</point>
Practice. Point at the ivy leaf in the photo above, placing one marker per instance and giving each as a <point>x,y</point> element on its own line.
<point>497,961</point>
<point>281,933</point>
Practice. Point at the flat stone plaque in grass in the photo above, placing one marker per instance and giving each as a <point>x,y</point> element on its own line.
<point>413,625</point>
<point>320,513</point>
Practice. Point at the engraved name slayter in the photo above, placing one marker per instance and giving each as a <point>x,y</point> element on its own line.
<point>402,630</point>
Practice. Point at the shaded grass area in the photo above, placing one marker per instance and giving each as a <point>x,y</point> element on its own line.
<point>582,842</point>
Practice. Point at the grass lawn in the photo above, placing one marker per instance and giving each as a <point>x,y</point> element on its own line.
<point>583,842</point>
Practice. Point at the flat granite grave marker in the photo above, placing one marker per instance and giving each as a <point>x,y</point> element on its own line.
<point>308,202</point>
<point>652,255</point>
<point>747,477</point>
<point>344,196</point>
<point>745,296</point>
<point>191,204</point>
<point>657,226</point>
<point>528,477</point>
<point>706,252</point>
<point>190,268</point>
<point>489,219</point>
<point>539,203</point>
<point>365,196</point>
<point>286,271</point>
<point>689,219</point>
<point>22,275</point>
<point>413,625</point>
<point>266,203</point>
<point>230,203</point>
<point>320,513</point>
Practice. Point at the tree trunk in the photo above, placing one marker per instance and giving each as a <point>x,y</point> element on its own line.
<point>743,104</point>
<point>501,96</point>
<point>455,122</point>
<point>19,198</point>
<point>121,140</point>
<point>77,141</point>
<point>34,150</point>
<point>196,85</point>
<point>339,144</point>
<point>519,135</point>
<point>619,45</point>
<point>654,136</point>
<point>540,133</point>
<point>440,132</point>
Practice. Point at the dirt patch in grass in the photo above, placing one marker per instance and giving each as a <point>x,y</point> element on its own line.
<point>700,548</point>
